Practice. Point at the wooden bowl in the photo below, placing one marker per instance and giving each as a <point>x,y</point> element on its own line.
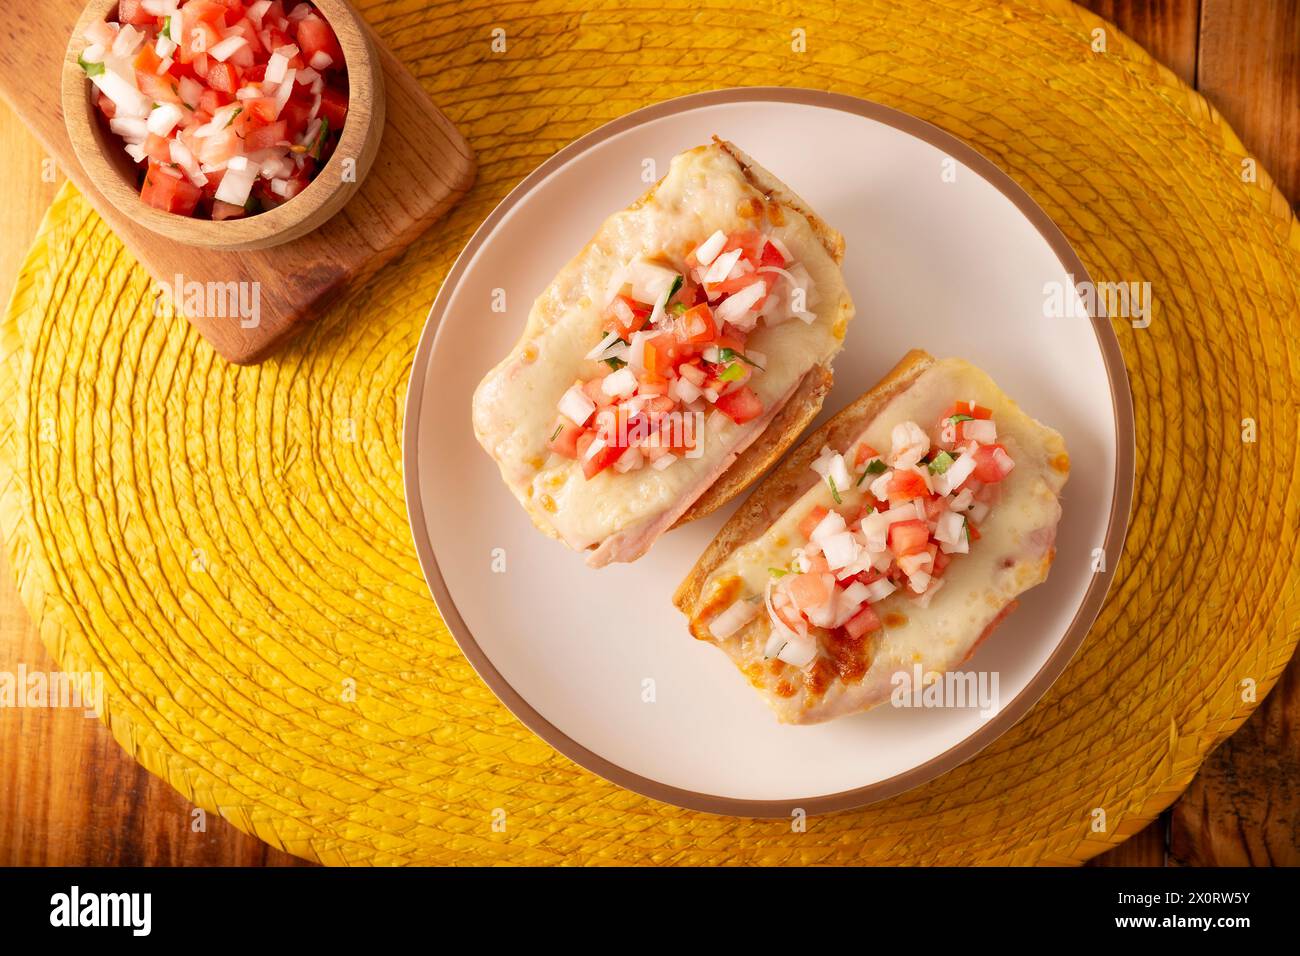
<point>115,175</point>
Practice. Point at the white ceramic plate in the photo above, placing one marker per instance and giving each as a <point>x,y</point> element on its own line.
<point>955,264</point>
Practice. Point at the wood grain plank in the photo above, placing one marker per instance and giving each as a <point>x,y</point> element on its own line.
<point>1147,848</point>
<point>1244,805</point>
<point>1249,68</point>
<point>69,795</point>
<point>1166,28</point>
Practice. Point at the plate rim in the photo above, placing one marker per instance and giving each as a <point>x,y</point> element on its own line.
<point>1038,685</point>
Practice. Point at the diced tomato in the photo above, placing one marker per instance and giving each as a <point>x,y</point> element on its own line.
<point>224,78</point>
<point>106,106</point>
<point>864,622</point>
<point>316,36</point>
<point>593,391</point>
<point>134,13</point>
<point>598,462</point>
<point>808,590</point>
<point>906,485</point>
<point>234,10</point>
<point>211,101</point>
<point>334,108</point>
<point>968,408</point>
<point>157,148</point>
<point>748,241</point>
<point>198,38</point>
<point>566,442</point>
<point>147,60</point>
<point>697,326</point>
<point>224,210</point>
<point>625,315</point>
<point>297,112</point>
<point>972,530</point>
<point>908,537</point>
<point>786,611</point>
<point>160,89</point>
<point>811,520</point>
<point>941,561</point>
<point>986,467</point>
<point>265,137</point>
<point>864,455</point>
<point>934,507</point>
<point>257,74</point>
<point>168,190</point>
<point>742,405</point>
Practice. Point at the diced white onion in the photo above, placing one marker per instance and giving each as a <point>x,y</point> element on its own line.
<point>832,524</point>
<point>708,250</point>
<point>950,528</point>
<point>663,461</point>
<point>630,460</point>
<point>620,384</point>
<point>733,619</point>
<point>879,589</point>
<point>980,430</point>
<point>225,49</point>
<point>840,549</point>
<point>130,128</point>
<point>734,308</point>
<point>721,266</point>
<point>798,652</point>
<point>576,406</point>
<point>599,351</point>
<point>320,60</point>
<point>959,471</point>
<point>128,102</point>
<point>236,184</point>
<point>276,67</point>
<point>164,118</point>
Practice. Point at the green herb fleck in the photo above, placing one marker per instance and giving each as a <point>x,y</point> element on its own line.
<point>92,69</point>
<point>320,139</point>
<point>874,467</point>
<point>726,355</point>
<point>960,418</point>
<point>614,363</point>
<point>965,527</point>
<point>166,30</point>
<point>232,117</point>
<point>558,428</point>
<point>835,492</point>
<point>678,308</point>
<point>942,462</point>
<point>676,287</point>
<point>732,373</point>
<point>777,572</point>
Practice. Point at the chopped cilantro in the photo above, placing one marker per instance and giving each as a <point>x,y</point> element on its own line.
<point>557,430</point>
<point>92,69</point>
<point>874,467</point>
<point>942,462</point>
<point>835,492</point>
<point>732,373</point>
<point>960,418</point>
<point>777,572</point>
<point>676,286</point>
<point>614,363</point>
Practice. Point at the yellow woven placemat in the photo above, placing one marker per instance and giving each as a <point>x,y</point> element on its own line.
<point>229,546</point>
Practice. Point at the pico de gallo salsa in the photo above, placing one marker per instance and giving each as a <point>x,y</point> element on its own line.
<point>916,509</point>
<point>675,345</point>
<point>228,108</point>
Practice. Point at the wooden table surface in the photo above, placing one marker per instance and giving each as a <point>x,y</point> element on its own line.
<point>70,796</point>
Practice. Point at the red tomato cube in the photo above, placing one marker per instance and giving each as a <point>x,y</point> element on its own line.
<point>906,485</point>
<point>986,466</point>
<point>864,622</point>
<point>741,405</point>
<point>334,108</point>
<point>908,537</point>
<point>166,189</point>
<point>811,520</point>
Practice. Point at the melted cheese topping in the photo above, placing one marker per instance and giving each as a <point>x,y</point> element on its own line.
<point>515,405</point>
<point>1013,554</point>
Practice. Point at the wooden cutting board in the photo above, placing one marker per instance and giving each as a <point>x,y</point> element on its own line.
<point>423,168</point>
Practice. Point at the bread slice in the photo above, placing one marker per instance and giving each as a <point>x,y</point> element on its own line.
<point>512,395</point>
<point>1017,550</point>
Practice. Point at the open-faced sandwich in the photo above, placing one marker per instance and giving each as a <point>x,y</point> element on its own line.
<point>677,356</point>
<point>899,534</point>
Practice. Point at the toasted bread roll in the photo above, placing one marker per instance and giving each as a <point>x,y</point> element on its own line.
<point>672,361</point>
<point>824,585</point>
